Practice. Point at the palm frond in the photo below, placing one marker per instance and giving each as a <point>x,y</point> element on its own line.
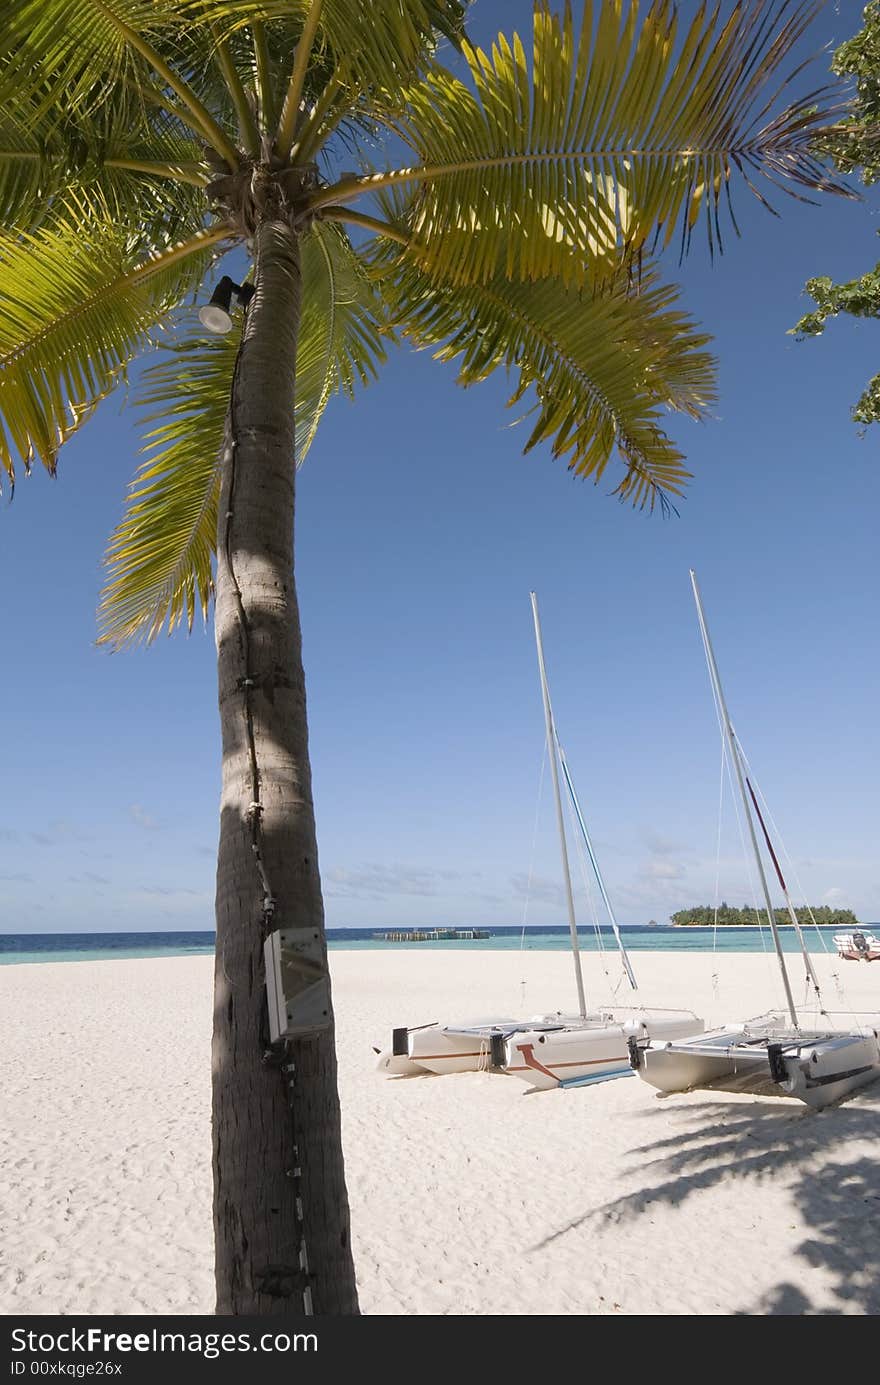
<point>383,42</point>
<point>160,554</point>
<point>625,122</point>
<point>77,306</point>
<point>341,329</point>
<point>70,56</point>
<point>74,48</point>
<point>135,177</point>
<point>603,367</point>
<point>159,557</point>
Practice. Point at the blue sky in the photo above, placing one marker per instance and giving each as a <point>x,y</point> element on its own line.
<point>421,530</point>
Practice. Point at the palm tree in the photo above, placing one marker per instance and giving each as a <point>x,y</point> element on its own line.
<point>142,139</point>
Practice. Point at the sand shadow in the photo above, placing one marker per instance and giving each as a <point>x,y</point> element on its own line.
<point>742,1141</point>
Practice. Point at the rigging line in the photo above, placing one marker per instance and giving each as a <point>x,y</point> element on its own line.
<point>522,940</point>
<point>753,888</point>
<point>528,894</point>
<point>725,760</point>
<point>790,865</point>
<point>595,864</point>
<point>800,889</point>
<point>718,868</point>
<point>575,829</point>
<point>594,915</point>
<point>825,948</point>
<point>811,975</point>
<point>737,763</point>
<point>613,986</point>
<point>736,808</point>
<point>842,994</point>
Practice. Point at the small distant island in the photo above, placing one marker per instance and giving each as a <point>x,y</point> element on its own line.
<point>730,916</point>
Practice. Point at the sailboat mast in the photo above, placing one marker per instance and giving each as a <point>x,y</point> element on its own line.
<point>737,765</point>
<point>554,771</point>
<point>624,956</point>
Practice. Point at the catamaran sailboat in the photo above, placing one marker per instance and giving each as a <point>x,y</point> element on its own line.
<point>773,1055</point>
<point>553,1050</point>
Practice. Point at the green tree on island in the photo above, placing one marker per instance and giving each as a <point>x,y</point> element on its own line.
<point>705,916</point>
<point>499,212</point>
<point>854,144</point>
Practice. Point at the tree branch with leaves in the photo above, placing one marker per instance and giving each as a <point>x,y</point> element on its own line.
<point>854,144</point>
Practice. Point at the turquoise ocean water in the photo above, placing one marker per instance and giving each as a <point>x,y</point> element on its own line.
<point>83,947</point>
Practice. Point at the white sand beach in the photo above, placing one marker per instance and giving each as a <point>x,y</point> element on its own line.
<point>469,1195</point>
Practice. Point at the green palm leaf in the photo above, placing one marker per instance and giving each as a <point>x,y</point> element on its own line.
<point>603,367</point>
<point>341,329</point>
<point>627,123</point>
<point>382,42</point>
<point>77,306</point>
<point>72,56</point>
<point>138,178</point>
<point>160,555</point>
<point>77,49</point>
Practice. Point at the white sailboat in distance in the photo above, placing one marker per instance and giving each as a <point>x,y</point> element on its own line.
<point>774,1055</point>
<point>857,946</point>
<point>550,1050</point>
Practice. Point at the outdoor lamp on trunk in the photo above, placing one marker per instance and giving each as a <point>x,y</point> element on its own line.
<point>216,314</point>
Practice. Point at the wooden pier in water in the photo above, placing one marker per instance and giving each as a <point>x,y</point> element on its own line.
<point>432,935</point>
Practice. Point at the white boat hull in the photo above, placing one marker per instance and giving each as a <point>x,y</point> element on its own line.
<point>463,1047</point>
<point>857,946</point>
<point>544,1051</point>
<point>818,1068</point>
<point>466,1046</point>
<point>591,1049</point>
<point>398,1065</point>
<point>828,1070</point>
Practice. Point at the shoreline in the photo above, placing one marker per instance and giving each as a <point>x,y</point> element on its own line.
<point>17,949</point>
<point>804,926</point>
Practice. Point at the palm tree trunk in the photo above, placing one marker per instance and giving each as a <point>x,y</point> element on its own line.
<point>261,1137</point>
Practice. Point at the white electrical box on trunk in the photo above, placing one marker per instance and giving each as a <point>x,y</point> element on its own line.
<point>297,983</point>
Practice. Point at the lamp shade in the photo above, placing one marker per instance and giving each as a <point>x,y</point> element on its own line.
<point>216,315</point>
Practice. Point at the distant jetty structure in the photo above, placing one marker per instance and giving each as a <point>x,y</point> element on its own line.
<point>432,935</point>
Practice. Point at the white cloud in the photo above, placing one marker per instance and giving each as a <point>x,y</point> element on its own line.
<point>659,845</point>
<point>538,889</point>
<point>148,891</point>
<point>60,831</point>
<point>662,870</point>
<point>141,818</point>
<point>376,881</point>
